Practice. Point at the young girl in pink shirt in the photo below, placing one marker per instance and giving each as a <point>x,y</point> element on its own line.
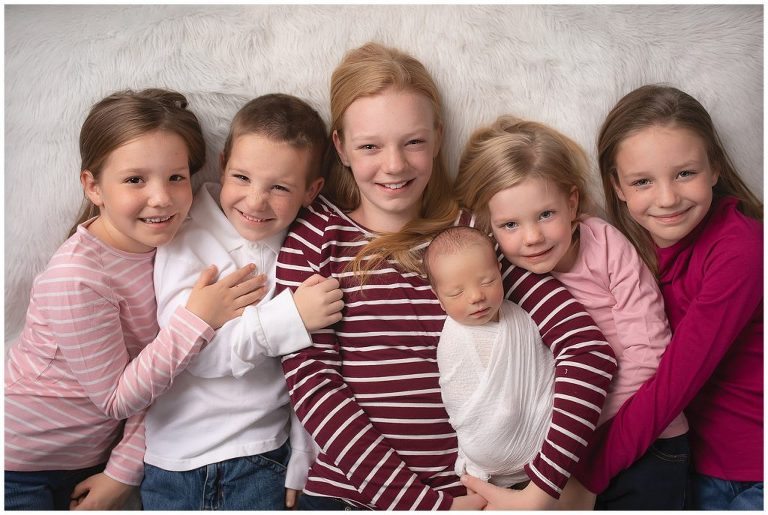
<point>671,188</point>
<point>526,183</point>
<point>90,353</point>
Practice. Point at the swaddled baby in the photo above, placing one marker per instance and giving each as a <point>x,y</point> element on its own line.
<point>496,376</point>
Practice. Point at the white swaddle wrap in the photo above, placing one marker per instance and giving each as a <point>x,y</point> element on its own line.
<point>501,412</point>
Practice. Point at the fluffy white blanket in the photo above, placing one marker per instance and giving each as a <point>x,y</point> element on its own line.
<point>563,65</point>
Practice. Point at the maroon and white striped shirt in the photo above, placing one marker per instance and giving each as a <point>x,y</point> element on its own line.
<point>90,355</point>
<point>368,390</point>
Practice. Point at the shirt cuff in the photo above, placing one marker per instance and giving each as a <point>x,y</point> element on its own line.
<point>282,329</point>
<point>195,323</point>
<point>298,469</point>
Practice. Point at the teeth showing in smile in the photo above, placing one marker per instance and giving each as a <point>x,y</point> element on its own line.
<point>252,219</point>
<point>396,186</point>
<point>157,220</point>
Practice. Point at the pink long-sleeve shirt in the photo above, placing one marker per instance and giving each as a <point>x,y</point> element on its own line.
<point>90,355</point>
<point>712,283</point>
<point>620,293</point>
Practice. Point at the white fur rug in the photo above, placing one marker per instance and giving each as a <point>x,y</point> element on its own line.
<point>563,65</point>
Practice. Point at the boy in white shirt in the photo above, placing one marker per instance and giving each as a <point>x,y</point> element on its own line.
<point>218,439</point>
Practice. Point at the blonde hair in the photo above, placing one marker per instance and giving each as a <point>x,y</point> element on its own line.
<point>661,105</point>
<point>126,115</point>
<point>510,150</point>
<point>364,72</point>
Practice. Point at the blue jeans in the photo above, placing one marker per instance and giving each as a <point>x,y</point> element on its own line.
<point>45,489</point>
<point>711,493</point>
<point>249,483</point>
<point>319,503</point>
<point>656,481</point>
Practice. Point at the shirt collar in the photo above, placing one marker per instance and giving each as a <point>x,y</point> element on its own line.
<point>207,213</point>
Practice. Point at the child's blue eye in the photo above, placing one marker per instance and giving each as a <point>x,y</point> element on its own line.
<point>416,141</point>
<point>281,188</point>
<point>510,225</point>
<point>240,177</point>
<point>686,173</point>
<point>641,182</point>
<point>547,214</point>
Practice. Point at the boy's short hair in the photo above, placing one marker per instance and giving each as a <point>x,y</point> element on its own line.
<point>450,241</point>
<point>285,119</point>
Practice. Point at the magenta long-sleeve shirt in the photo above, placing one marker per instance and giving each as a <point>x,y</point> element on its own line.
<point>712,283</point>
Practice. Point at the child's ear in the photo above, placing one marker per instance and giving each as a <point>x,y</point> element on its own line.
<point>222,164</point>
<point>617,188</point>
<point>340,148</point>
<point>573,202</point>
<point>312,190</point>
<point>91,188</point>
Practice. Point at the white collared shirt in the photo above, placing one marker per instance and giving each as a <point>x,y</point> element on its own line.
<point>231,401</point>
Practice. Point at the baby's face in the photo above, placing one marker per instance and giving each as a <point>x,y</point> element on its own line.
<point>264,185</point>
<point>468,284</point>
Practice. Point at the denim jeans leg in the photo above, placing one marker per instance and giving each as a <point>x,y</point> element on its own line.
<point>255,482</point>
<point>711,493</point>
<point>45,489</point>
<point>318,503</point>
<point>656,481</point>
<point>173,490</point>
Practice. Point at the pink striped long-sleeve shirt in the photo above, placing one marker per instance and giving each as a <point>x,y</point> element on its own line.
<point>90,355</point>
<point>368,390</point>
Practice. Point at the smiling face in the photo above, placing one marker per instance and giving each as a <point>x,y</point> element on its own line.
<point>389,141</point>
<point>531,221</point>
<point>468,284</point>
<point>143,192</point>
<point>265,184</point>
<point>666,180</point>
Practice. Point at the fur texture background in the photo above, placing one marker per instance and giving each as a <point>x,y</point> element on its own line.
<point>562,65</point>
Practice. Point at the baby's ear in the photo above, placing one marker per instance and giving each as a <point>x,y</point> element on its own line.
<point>91,188</point>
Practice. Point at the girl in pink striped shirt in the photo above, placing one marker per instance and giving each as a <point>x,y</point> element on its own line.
<point>90,353</point>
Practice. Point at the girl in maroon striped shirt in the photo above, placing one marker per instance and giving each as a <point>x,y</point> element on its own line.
<point>368,389</point>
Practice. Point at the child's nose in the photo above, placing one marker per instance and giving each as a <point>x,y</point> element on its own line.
<point>257,199</point>
<point>160,196</point>
<point>395,161</point>
<point>667,195</point>
<point>533,234</point>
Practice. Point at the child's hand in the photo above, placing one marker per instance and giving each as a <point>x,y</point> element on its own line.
<point>529,498</point>
<point>468,502</point>
<point>319,302</point>
<point>217,303</point>
<point>291,496</point>
<point>100,492</point>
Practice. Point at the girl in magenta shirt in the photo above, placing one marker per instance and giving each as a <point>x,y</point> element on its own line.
<point>672,190</point>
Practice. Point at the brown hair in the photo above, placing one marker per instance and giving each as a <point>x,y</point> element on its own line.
<point>126,115</point>
<point>511,150</point>
<point>450,241</point>
<point>367,71</point>
<point>661,105</point>
<point>282,118</point>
